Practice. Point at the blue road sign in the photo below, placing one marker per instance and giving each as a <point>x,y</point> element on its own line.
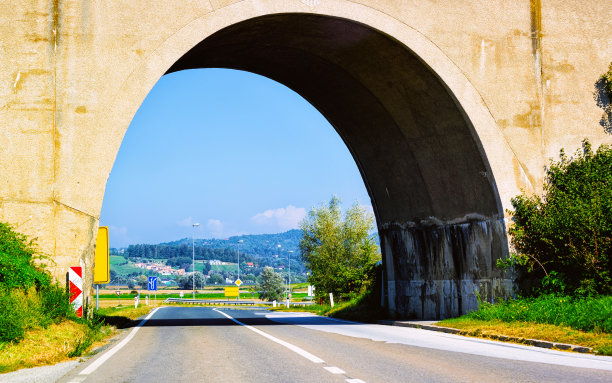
<point>152,283</point>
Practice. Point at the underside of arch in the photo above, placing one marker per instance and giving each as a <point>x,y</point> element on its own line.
<point>439,214</point>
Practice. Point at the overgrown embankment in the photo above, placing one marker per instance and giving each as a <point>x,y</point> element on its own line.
<point>29,299</point>
<point>563,258</point>
<point>37,323</point>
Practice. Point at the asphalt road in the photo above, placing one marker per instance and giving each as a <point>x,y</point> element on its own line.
<point>202,344</point>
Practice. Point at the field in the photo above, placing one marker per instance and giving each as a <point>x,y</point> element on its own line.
<point>123,266</point>
<point>119,265</point>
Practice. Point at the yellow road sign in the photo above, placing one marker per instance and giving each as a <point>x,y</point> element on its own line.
<point>101,265</point>
<point>232,291</point>
<point>238,282</point>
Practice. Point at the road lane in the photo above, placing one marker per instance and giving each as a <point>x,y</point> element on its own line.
<point>185,344</point>
<point>393,356</point>
<point>198,344</point>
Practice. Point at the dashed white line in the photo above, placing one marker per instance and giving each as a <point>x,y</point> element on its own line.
<point>291,347</point>
<point>98,362</point>
<point>296,349</point>
<point>335,370</point>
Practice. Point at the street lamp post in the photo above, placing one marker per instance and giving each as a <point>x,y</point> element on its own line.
<point>289,252</point>
<point>239,242</point>
<point>193,259</point>
<point>284,280</point>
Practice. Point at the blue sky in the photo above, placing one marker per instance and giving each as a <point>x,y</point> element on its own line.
<point>234,151</point>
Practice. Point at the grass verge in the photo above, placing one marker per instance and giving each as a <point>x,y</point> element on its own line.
<point>584,321</point>
<point>363,308</point>
<point>66,340</point>
<point>42,346</point>
<point>499,330</point>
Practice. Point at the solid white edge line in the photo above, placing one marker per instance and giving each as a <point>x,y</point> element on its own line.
<point>98,362</point>
<point>291,347</point>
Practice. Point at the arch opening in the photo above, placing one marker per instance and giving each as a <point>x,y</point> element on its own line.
<point>438,211</point>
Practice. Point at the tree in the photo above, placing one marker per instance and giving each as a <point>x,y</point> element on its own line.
<point>216,278</point>
<point>271,285</point>
<point>339,253</point>
<point>250,277</point>
<point>607,77</point>
<point>564,238</point>
<point>186,282</point>
<point>142,281</point>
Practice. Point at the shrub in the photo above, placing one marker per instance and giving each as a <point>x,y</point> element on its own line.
<point>12,316</point>
<point>55,303</point>
<point>17,269</point>
<point>28,298</point>
<point>564,238</point>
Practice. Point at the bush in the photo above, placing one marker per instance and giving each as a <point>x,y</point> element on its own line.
<point>564,238</point>
<point>12,316</point>
<point>17,269</point>
<point>55,303</point>
<point>28,298</point>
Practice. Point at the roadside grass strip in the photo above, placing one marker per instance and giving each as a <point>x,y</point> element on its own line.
<point>104,357</point>
<point>519,332</point>
<point>42,346</point>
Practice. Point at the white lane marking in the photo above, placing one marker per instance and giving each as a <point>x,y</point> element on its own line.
<point>78,379</point>
<point>335,370</point>
<point>291,347</point>
<point>354,381</point>
<point>98,362</point>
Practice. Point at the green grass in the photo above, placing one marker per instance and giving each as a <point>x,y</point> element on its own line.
<point>126,269</point>
<point>116,260</point>
<point>584,321</point>
<point>584,313</point>
<point>363,308</point>
<point>230,267</point>
<point>186,295</point>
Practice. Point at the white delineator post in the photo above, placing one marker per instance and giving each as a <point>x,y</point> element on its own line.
<point>331,299</point>
<point>75,278</point>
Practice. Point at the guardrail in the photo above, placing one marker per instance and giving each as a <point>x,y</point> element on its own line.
<point>214,302</point>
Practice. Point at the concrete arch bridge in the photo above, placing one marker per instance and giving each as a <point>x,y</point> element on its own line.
<point>448,108</point>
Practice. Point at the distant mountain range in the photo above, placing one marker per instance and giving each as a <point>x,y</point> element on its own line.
<point>250,246</point>
<point>256,244</point>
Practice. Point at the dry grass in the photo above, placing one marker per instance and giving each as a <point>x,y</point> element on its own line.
<point>601,342</point>
<point>53,344</point>
<point>42,346</point>
<point>129,312</point>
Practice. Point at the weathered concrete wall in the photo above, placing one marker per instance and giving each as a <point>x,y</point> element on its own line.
<point>433,271</point>
<point>515,80</point>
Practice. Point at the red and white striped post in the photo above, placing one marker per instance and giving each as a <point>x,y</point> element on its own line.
<point>75,277</point>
